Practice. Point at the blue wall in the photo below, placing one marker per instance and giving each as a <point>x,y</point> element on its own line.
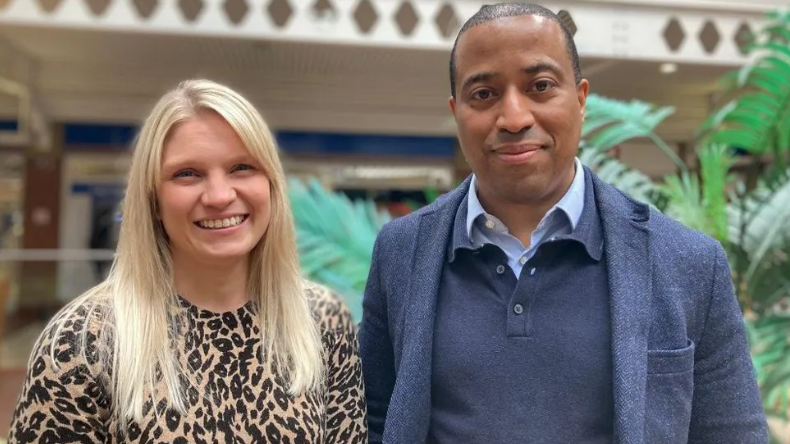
<point>8,125</point>
<point>121,137</point>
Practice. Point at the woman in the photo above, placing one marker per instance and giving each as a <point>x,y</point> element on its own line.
<point>204,330</point>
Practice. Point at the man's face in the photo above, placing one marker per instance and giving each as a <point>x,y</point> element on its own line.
<point>518,109</point>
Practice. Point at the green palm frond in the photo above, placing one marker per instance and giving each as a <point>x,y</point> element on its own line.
<point>770,348</point>
<point>757,119</point>
<point>609,122</point>
<point>700,202</point>
<point>768,287</point>
<point>686,201</point>
<point>760,222</point>
<point>335,238</point>
<point>715,162</point>
<point>629,180</point>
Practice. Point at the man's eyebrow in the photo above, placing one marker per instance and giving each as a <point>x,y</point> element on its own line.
<point>542,67</point>
<point>477,77</point>
<point>533,69</point>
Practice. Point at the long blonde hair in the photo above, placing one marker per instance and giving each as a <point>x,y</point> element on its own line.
<point>135,304</point>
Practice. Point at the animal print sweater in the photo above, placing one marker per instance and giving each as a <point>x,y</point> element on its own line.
<point>233,398</point>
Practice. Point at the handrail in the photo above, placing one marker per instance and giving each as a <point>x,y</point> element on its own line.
<point>55,254</point>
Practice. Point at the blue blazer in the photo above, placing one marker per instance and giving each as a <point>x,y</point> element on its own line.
<point>682,371</point>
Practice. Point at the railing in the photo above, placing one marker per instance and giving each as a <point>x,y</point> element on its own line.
<point>34,283</point>
<point>607,28</point>
<point>706,5</point>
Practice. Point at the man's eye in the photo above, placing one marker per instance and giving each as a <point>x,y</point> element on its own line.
<point>543,85</point>
<point>482,94</point>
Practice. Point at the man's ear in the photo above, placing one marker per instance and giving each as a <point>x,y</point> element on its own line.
<point>582,89</point>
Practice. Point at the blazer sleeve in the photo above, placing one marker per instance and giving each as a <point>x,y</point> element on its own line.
<point>376,349</point>
<point>726,406</point>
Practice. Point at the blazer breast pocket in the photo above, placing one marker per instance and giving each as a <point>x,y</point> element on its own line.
<point>660,362</point>
<point>670,389</point>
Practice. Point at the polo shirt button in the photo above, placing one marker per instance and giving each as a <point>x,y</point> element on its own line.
<point>518,309</point>
<point>500,269</point>
<point>523,260</point>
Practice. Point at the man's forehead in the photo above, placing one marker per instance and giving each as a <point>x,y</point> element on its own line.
<point>534,32</point>
<point>528,23</point>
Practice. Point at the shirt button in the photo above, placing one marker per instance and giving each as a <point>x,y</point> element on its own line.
<point>490,223</point>
<point>518,309</point>
<point>523,260</point>
<point>532,272</point>
<point>500,269</point>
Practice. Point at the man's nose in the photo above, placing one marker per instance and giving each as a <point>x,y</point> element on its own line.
<point>515,113</point>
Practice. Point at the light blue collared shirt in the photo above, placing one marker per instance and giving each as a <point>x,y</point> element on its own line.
<point>561,219</point>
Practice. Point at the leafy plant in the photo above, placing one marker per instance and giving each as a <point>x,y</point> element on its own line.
<point>750,217</point>
<point>335,238</point>
<point>608,123</point>
<point>757,117</point>
<point>637,184</point>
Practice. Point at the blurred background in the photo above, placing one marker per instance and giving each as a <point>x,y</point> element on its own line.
<point>690,112</point>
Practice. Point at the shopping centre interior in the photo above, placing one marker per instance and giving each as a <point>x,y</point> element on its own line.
<point>369,119</point>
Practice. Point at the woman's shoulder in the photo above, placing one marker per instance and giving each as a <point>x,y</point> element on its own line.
<point>328,308</point>
<point>74,332</point>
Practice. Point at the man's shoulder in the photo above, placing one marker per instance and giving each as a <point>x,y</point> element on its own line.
<point>684,247</point>
<point>666,232</point>
<point>664,227</point>
<point>409,225</point>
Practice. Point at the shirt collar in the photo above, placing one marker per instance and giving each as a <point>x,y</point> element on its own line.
<point>584,218</point>
<point>571,203</point>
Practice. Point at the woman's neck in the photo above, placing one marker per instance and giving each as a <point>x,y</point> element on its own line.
<point>216,287</point>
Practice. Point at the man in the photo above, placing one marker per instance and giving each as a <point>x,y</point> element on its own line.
<point>536,304</point>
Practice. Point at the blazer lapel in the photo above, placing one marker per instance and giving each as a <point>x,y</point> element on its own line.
<point>429,259</point>
<point>628,263</point>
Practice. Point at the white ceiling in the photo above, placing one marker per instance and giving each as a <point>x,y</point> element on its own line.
<point>115,77</point>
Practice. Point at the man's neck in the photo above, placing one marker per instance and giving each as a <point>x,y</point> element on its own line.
<point>522,218</point>
<point>216,287</point>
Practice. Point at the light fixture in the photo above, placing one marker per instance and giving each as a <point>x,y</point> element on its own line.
<point>668,68</point>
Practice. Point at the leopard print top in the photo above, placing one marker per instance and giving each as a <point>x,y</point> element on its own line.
<point>242,401</point>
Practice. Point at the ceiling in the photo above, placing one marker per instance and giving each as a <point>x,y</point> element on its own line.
<point>99,76</point>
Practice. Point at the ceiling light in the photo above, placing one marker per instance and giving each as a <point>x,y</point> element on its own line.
<point>668,68</point>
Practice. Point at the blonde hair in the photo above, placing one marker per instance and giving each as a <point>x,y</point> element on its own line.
<point>134,306</point>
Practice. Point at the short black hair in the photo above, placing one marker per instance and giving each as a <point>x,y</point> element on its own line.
<point>490,13</point>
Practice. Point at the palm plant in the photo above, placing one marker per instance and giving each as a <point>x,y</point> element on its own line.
<point>749,215</point>
<point>335,238</point>
<point>609,123</point>
<point>756,120</point>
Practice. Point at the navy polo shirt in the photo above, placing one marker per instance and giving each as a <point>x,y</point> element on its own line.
<point>524,358</point>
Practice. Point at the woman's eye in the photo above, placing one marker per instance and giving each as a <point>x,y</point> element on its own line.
<point>184,173</point>
<point>243,167</point>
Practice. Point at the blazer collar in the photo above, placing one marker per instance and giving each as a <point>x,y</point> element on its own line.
<point>626,249</point>
<point>435,227</point>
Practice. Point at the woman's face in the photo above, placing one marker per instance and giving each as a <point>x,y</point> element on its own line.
<point>213,197</point>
